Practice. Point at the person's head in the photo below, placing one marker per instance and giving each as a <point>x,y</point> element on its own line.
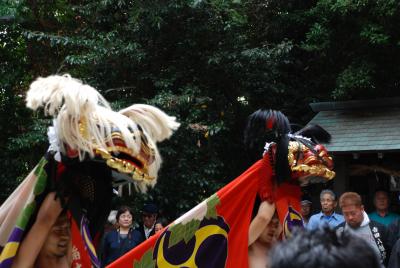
<point>149,215</point>
<point>58,240</point>
<point>381,200</point>
<point>323,248</point>
<point>158,227</point>
<point>352,209</point>
<point>271,232</point>
<point>160,224</point>
<point>328,201</point>
<point>124,217</point>
<point>305,208</point>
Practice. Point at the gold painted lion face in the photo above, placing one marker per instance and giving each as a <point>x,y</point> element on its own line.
<point>126,162</point>
<point>308,165</point>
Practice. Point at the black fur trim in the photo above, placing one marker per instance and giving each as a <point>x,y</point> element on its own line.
<point>316,133</point>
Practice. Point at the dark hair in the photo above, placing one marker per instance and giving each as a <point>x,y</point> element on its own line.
<point>272,126</point>
<point>323,248</point>
<point>381,191</point>
<point>122,210</point>
<point>162,221</point>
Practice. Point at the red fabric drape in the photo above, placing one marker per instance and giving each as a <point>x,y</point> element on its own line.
<point>236,201</point>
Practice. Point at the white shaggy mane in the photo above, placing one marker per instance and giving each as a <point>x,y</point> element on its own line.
<point>74,104</point>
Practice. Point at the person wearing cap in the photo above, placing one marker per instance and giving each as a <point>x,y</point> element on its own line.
<point>149,217</point>
<point>305,210</point>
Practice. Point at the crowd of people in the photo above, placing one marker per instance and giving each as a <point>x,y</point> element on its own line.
<point>351,238</point>
<point>380,228</point>
<point>363,240</point>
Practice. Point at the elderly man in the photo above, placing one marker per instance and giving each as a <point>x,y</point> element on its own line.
<point>382,214</point>
<point>358,223</point>
<point>149,217</point>
<point>327,216</point>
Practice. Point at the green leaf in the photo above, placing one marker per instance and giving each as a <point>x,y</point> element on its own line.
<point>41,174</point>
<point>375,34</point>
<point>146,261</point>
<point>183,232</point>
<point>212,203</point>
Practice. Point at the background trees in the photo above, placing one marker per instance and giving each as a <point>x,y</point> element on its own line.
<point>210,63</point>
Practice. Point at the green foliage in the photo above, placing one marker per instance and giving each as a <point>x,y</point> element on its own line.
<point>355,80</point>
<point>354,46</point>
<point>375,35</point>
<point>14,118</point>
<point>317,38</point>
<point>8,8</point>
<point>346,7</point>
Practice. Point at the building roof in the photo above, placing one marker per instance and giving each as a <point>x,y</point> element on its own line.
<point>360,126</point>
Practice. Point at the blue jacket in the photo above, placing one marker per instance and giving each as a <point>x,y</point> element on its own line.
<point>114,247</point>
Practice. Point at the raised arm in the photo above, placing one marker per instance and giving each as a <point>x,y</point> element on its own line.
<point>33,242</point>
<point>264,215</point>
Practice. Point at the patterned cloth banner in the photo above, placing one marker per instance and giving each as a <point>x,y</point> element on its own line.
<point>90,248</point>
<point>215,232</point>
<point>80,256</point>
<point>16,212</point>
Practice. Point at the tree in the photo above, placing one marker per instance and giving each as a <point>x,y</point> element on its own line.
<point>354,48</point>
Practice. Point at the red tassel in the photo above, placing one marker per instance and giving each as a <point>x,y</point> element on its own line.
<point>270,123</point>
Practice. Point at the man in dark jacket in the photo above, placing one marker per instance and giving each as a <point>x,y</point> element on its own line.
<point>358,223</point>
<point>394,231</point>
<point>394,261</point>
<point>149,217</point>
<point>394,235</point>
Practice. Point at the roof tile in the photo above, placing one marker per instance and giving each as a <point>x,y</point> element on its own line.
<point>361,130</point>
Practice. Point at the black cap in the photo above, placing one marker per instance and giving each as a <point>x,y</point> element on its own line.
<point>150,209</point>
<point>306,200</point>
